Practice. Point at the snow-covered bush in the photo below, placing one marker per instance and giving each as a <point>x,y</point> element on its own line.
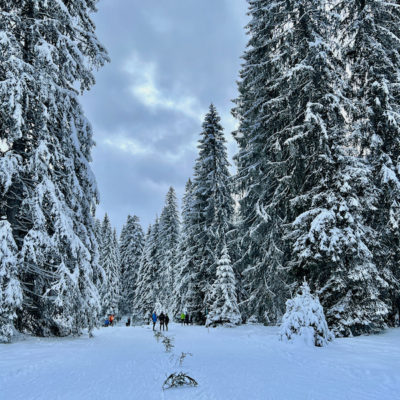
<point>252,320</point>
<point>224,309</point>
<point>305,319</point>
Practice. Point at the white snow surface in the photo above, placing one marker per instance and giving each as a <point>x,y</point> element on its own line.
<point>246,362</point>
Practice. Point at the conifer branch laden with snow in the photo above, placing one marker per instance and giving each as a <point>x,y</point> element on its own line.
<point>304,319</point>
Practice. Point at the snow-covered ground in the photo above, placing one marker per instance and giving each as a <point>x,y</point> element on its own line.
<point>247,362</point>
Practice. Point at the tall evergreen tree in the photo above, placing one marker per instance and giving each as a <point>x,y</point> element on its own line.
<point>131,249</point>
<point>301,211</point>
<point>99,275</point>
<point>48,50</point>
<point>169,240</point>
<point>148,288</point>
<point>371,44</point>
<point>109,260</point>
<point>260,230</point>
<point>211,214</point>
<point>185,265</point>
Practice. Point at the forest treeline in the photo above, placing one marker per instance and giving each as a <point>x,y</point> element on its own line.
<point>316,194</point>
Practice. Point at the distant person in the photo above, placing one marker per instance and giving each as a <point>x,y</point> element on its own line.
<point>398,307</point>
<point>191,320</point>
<point>187,319</point>
<point>154,318</point>
<point>106,322</point>
<point>128,323</point>
<point>166,321</point>
<point>183,318</point>
<point>162,321</point>
<point>111,318</point>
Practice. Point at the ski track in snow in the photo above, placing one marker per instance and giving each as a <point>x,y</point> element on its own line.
<point>247,362</point>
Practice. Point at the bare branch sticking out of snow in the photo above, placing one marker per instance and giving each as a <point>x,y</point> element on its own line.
<point>179,379</point>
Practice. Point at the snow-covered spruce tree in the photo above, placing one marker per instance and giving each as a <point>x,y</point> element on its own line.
<point>99,275</point>
<point>331,239</point>
<point>330,191</point>
<point>148,286</point>
<point>372,51</point>
<point>314,183</point>
<point>117,261</point>
<point>131,249</point>
<point>224,309</point>
<point>304,319</point>
<point>10,288</point>
<point>182,292</point>
<point>233,240</point>
<point>261,217</point>
<point>169,240</point>
<point>211,214</point>
<point>144,279</point>
<point>332,248</point>
<point>98,231</point>
<point>109,260</point>
<point>48,49</point>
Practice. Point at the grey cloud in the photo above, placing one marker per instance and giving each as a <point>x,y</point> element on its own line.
<point>194,48</point>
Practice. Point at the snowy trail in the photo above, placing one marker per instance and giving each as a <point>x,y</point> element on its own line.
<point>242,363</point>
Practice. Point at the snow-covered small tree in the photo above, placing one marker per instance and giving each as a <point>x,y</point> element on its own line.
<point>224,309</point>
<point>305,319</point>
<point>10,288</point>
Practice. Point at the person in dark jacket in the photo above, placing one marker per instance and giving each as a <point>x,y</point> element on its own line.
<point>398,307</point>
<point>166,321</point>
<point>187,319</point>
<point>154,318</point>
<point>162,320</point>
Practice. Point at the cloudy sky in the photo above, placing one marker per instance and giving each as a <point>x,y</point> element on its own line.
<point>170,60</point>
